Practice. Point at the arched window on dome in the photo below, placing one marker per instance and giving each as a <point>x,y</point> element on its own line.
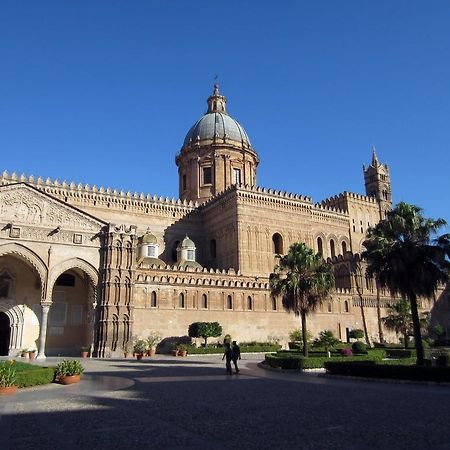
<point>319,246</point>
<point>204,301</point>
<point>249,303</point>
<point>229,302</point>
<point>277,244</point>
<point>344,247</point>
<point>332,248</point>
<point>153,300</point>
<point>181,302</point>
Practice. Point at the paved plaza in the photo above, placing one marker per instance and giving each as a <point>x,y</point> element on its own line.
<point>190,403</point>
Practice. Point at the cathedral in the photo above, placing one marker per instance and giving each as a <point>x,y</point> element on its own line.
<point>82,265</point>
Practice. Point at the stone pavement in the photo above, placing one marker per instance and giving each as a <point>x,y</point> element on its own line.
<point>190,403</point>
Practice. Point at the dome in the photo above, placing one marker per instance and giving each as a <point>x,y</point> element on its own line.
<point>217,124</point>
<point>149,238</point>
<point>187,243</point>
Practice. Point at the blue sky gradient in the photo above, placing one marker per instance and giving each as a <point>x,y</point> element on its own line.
<point>104,91</point>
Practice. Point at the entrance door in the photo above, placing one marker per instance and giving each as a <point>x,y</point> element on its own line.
<point>5,334</point>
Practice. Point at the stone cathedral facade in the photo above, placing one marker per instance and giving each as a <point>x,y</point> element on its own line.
<point>83,265</point>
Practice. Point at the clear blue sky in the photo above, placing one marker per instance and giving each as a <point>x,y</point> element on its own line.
<point>103,92</point>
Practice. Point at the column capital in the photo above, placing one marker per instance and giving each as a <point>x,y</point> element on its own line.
<point>46,303</point>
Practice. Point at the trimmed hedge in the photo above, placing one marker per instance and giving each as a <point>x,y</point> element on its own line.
<point>389,371</point>
<point>35,376</point>
<point>261,348</point>
<point>400,353</point>
<point>300,362</point>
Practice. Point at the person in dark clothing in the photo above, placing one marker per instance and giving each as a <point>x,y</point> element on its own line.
<point>229,356</point>
<point>236,354</point>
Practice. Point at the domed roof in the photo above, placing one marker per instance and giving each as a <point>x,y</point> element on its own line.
<point>149,238</point>
<point>216,124</point>
<point>187,243</point>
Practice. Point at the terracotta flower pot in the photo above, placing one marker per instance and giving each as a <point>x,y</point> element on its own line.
<point>69,379</point>
<point>24,355</point>
<point>174,352</point>
<point>8,390</point>
<point>139,356</point>
<point>32,354</point>
<point>84,354</point>
<point>182,352</point>
<point>151,352</point>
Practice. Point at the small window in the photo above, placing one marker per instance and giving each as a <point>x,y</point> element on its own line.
<point>207,175</point>
<point>184,182</point>
<point>66,279</point>
<point>319,246</point>
<point>153,299</point>
<point>344,247</point>
<point>332,248</point>
<point>346,306</point>
<point>213,248</point>
<point>249,303</point>
<point>229,302</point>
<point>274,303</point>
<point>204,301</point>
<point>191,255</point>
<point>236,176</point>
<point>181,302</point>
<point>151,251</point>
<point>330,308</point>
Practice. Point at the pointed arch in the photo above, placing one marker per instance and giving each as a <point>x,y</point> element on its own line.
<point>73,263</point>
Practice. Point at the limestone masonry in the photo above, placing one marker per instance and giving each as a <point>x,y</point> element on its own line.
<point>88,266</point>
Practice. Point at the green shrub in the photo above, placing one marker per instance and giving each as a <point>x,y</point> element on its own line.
<point>326,340</point>
<point>400,353</point>
<point>356,334</point>
<point>261,347</point>
<point>390,371</point>
<point>359,347</point>
<point>205,330</point>
<point>68,368</point>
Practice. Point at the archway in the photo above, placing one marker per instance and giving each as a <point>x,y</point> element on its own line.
<point>5,334</point>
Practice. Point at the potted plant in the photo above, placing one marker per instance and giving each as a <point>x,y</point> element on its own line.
<point>7,377</point>
<point>182,350</point>
<point>139,348</point>
<point>152,341</point>
<point>175,349</point>
<point>85,351</point>
<point>68,371</point>
<point>32,353</point>
<point>24,353</point>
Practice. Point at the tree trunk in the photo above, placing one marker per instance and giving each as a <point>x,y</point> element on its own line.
<point>380,324</point>
<point>304,334</point>
<point>361,304</point>
<point>416,325</point>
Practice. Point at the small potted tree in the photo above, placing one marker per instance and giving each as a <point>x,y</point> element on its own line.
<point>175,347</point>
<point>7,377</point>
<point>140,348</point>
<point>68,371</point>
<point>85,351</point>
<point>152,341</point>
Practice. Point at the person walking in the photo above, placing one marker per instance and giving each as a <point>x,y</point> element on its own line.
<point>236,354</point>
<point>229,356</point>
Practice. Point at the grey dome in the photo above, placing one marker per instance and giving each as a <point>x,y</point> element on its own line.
<point>217,125</point>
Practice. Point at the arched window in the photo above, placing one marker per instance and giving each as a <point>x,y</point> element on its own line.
<point>153,303</point>
<point>319,246</point>
<point>346,306</point>
<point>213,248</point>
<point>344,247</point>
<point>277,244</point>
<point>332,248</point>
<point>249,303</point>
<point>229,302</point>
<point>330,308</point>
<point>274,303</point>
<point>181,302</point>
<point>65,279</point>
<point>204,301</point>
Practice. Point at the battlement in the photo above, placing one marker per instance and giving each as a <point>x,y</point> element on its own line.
<point>344,195</point>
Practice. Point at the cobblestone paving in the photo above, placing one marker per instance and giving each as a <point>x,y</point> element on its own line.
<point>190,403</point>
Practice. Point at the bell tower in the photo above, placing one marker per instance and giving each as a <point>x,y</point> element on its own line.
<point>378,183</point>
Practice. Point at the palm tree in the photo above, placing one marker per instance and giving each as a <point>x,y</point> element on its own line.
<point>406,258</point>
<point>399,319</point>
<point>304,280</point>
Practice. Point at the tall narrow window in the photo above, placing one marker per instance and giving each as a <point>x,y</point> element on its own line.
<point>344,247</point>
<point>332,248</point>
<point>249,303</point>
<point>181,302</point>
<point>330,308</point>
<point>346,306</point>
<point>151,251</point>
<point>277,244</point>
<point>229,302</point>
<point>191,255</point>
<point>213,248</point>
<point>236,176</point>
<point>153,299</point>
<point>319,246</point>
<point>204,301</point>
<point>207,175</point>
<point>174,250</point>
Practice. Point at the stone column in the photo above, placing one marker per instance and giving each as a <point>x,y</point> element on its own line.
<point>43,330</point>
